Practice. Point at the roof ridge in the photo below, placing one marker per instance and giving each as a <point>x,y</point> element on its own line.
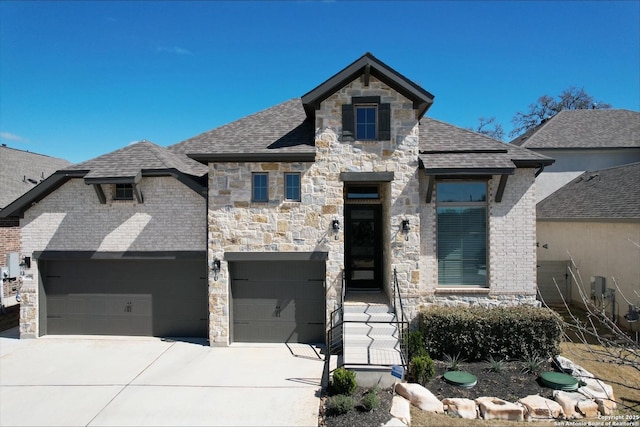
<point>32,153</point>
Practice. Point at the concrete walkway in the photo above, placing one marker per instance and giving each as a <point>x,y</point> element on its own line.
<point>123,381</point>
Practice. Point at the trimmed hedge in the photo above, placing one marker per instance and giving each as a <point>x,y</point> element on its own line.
<point>477,333</point>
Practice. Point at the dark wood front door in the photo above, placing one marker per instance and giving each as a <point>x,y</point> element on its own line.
<point>363,249</point>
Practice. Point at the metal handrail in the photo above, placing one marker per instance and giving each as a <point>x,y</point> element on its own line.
<point>338,312</point>
<point>400,319</point>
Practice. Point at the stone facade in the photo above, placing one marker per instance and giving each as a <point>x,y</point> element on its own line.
<point>238,225</point>
<point>72,219</point>
<point>9,242</point>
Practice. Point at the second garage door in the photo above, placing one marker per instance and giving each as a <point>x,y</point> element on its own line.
<point>278,301</point>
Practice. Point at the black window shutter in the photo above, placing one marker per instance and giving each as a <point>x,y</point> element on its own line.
<point>348,123</point>
<point>384,122</point>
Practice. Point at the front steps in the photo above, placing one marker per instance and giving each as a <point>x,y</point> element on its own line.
<point>370,342</point>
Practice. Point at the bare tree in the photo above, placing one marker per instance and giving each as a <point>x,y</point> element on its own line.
<point>489,127</point>
<point>572,98</point>
<point>600,335</point>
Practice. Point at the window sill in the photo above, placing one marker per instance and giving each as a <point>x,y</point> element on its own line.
<point>457,290</point>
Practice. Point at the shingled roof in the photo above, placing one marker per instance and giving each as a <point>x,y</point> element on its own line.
<point>611,193</point>
<point>281,132</point>
<point>445,149</point>
<point>136,158</point>
<point>585,129</point>
<point>126,165</point>
<point>22,170</point>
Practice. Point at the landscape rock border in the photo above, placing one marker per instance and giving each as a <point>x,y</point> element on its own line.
<point>593,398</point>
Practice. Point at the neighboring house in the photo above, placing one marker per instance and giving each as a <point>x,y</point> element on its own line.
<point>254,231</point>
<point>20,171</point>
<point>582,140</point>
<point>594,223</point>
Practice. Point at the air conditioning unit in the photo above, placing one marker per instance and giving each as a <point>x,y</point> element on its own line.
<point>633,315</point>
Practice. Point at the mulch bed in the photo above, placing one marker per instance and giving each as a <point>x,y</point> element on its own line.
<point>510,384</point>
<point>358,417</point>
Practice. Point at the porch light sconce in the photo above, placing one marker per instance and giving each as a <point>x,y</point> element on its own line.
<point>335,226</point>
<point>216,268</point>
<point>546,246</point>
<point>406,229</point>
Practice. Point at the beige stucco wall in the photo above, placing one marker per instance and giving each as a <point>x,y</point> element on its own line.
<point>72,219</point>
<point>608,249</point>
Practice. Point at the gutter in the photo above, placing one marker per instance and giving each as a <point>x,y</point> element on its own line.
<point>540,170</point>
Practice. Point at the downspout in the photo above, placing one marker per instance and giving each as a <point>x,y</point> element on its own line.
<point>539,171</point>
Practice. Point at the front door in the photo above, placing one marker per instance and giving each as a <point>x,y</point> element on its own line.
<point>363,249</point>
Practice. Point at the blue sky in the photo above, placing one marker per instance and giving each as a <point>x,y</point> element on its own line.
<point>80,79</point>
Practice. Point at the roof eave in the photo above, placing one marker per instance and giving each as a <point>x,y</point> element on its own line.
<point>39,192</point>
<point>253,157</point>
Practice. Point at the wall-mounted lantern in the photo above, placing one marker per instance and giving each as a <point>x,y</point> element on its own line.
<point>406,229</point>
<point>216,268</point>
<point>335,226</point>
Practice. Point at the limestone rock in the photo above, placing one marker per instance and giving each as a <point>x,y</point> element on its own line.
<point>401,409</point>
<point>572,369</point>
<point>596,389</point>
<point>606,406</point>
<point>537,408</point>
<point>420,397</point>
<point>576,405</point>
<point>493,408</point>
<point>462,408</point>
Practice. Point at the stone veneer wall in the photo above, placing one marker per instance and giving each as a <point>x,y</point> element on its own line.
<point>398,155</point>
<point>511,249</point>
<point>72,219</point>
<point>9,242</point>
<point>237,224</point>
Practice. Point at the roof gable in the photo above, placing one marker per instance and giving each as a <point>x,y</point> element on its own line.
<point>368,65</point>
<point>611,193</point>
<point>590,129</point>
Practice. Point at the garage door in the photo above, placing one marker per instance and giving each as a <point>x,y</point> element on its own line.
<point>548,271</point>
<point>278,301</point>
<point>165,298</point>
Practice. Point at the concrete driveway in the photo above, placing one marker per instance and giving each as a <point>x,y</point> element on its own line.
<point>123,381</point>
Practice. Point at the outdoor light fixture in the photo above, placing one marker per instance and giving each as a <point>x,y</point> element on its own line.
<point>406,228</point>
<point>216,268</point>
<point>335,226</point>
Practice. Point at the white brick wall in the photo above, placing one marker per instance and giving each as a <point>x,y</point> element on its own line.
<point>172,218</point>
<point>511,247</point>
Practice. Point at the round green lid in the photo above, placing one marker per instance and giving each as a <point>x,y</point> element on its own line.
<point>461,379</point>
<point>559,381</point>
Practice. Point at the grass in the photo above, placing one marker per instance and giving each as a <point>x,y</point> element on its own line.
<point>614,375</point>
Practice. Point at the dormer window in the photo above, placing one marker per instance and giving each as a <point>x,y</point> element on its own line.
<point>366,119</point>
<point>123,192</point>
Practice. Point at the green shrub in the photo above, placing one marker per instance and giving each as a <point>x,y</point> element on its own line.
<point>504,332</point>
<point>344,381</point>
<point>416,345</point>
<point>422,369</point>
<point>370,401</point>
<point>339,404</point>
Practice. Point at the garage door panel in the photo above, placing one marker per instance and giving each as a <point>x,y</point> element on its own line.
<point>278,301</point>
<point>126,297</point>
